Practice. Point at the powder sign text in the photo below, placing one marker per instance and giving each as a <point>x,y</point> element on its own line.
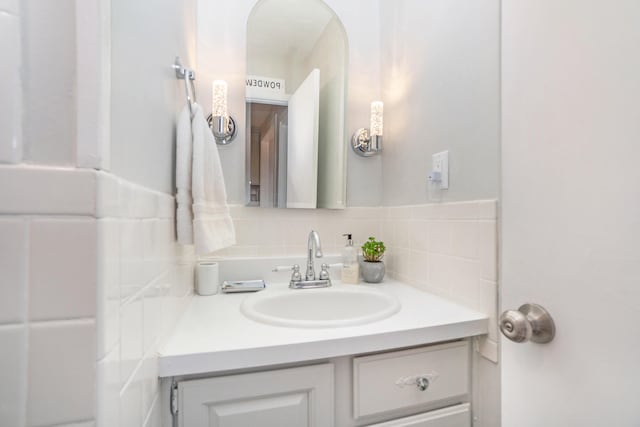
<point>265,84</point>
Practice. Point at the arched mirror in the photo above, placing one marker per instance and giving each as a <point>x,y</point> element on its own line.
<point>297,56</point>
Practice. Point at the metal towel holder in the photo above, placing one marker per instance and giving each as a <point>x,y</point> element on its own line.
<point>189,76</point>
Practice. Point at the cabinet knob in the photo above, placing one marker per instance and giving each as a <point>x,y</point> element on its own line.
<point>530,322</point>
<point>422,383</point>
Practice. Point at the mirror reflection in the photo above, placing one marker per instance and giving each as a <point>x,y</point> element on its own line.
<point>296,95</point>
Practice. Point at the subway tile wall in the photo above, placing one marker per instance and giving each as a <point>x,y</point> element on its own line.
<point>47,325</point>
<point>448,249</point>
<point>144,282</point>
<point>90,283</point>
<point>283,232</point>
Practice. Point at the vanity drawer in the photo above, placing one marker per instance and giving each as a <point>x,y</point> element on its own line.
<point>454,416</point>
<point>388,381</point>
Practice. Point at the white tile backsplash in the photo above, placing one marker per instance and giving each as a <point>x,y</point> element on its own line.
<point>107,195</point>
<point>152,311</point>
<point>488,250</point>
<point>153,418</point>
<point>131,337</point>
<point>13,265</point>
<point>48,190</point>
<point>108,285</point>
<point>439,273</point>
<point>283,232</point>
<point>488,301</point>
<point>418,235</point>
<point>13,372</point>
<point>93,261</point>
<point>108,389</point>
<point>62,271</point>
<point>131,405</point>
<point>150,384</point>
<point>440,237</point>
<point>155,283</point>
<point>451,251</point>
<point>464,239</point>
<point>62,372</point>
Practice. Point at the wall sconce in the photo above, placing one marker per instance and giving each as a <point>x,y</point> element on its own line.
<point>367,142</point>
<point>220,122</point>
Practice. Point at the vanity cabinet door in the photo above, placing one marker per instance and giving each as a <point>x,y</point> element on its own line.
<point>296,397</point>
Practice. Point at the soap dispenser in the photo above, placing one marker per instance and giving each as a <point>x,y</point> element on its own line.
<point>350,266</point>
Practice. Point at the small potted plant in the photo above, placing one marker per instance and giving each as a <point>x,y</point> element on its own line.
<point>371,265</point>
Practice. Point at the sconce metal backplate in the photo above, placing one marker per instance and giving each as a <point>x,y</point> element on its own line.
<point>362,143</point>
<point>221,135</point>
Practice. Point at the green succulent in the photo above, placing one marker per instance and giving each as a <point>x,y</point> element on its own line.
<point>372,250</point>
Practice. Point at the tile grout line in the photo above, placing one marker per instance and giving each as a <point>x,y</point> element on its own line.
<point>27,313</point>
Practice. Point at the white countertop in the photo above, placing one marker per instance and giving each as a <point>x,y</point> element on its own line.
<point>214,336</point>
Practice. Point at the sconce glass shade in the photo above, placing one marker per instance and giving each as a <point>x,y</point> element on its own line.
<point>368,142</point>
<point>219,99</point>
<point>376,118</point>
<point>221,124</point>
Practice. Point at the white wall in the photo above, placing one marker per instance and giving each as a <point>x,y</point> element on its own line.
<point>571,212</point>
<point>440,74</point>
<point>146,97</point>
<point>222,55</point>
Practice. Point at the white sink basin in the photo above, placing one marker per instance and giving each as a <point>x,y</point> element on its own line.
<point>337,306</point>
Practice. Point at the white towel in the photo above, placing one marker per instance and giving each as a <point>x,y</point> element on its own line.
<point>212,225</point>
<point>184,156</point>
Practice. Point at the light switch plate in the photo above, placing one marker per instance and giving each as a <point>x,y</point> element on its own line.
<point>440,163</point>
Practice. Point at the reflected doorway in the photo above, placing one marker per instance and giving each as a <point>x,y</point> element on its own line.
<point>268,155</point>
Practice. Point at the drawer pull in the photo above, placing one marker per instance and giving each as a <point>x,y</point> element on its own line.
<point>422,381</point>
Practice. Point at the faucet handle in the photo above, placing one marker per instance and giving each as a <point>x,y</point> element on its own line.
<point>324,272</point>
<point>296,276</point>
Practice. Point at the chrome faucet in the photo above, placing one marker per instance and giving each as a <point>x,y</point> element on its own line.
<point>312,242</point>
<point>314,249</point>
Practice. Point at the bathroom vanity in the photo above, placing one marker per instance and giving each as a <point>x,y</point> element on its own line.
<point>413,368</point>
